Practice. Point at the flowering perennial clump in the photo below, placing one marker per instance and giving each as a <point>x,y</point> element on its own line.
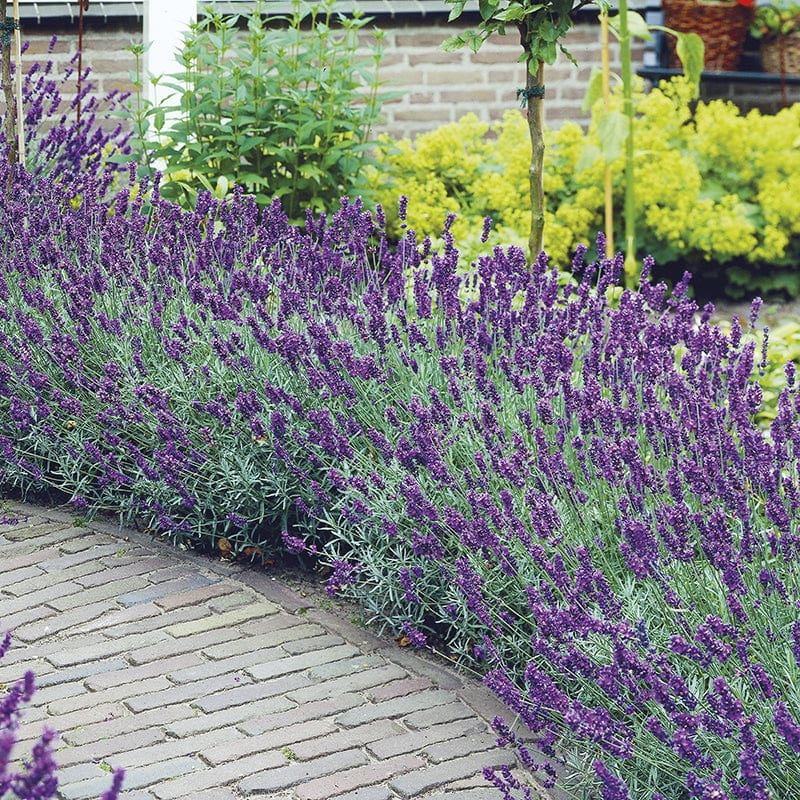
<point>562,483</point>
<point>38,778</point>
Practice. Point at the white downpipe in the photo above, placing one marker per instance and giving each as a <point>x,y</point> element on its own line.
<point>165,22</point>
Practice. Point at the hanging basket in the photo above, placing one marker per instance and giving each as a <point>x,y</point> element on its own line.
<point>781,53</point>
<point>722,27</point>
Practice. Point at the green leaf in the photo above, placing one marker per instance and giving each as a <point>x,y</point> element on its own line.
<point>637,26</point>
<point>691,52</point>
<point>588,157</point>
<point>456,10</point>
<point>612,129</point>
<point>486,8</point>
<point>594,91</point>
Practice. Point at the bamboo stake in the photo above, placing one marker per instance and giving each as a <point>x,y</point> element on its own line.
<point>607,184</point>
<point>18,81</point>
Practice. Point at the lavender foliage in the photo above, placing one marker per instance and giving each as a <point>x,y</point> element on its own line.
<point>561,483</point>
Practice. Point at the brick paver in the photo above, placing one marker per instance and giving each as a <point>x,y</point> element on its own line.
<point>206,686</point>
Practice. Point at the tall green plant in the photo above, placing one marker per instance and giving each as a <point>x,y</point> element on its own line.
<point>541,26</point>
<point>284,110</point>
<point>615,127</point>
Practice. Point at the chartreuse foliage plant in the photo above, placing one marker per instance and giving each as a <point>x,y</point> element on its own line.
<point>701,204</point>
<point>37,779</point>
<point>281,106</point>
<point>573,496</point>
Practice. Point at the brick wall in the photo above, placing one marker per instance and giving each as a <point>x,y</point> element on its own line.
<point>442,87</point>
<point>438,87</point>
<point>104,46</point>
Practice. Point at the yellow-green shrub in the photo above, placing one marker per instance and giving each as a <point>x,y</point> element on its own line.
<point>718,192</point>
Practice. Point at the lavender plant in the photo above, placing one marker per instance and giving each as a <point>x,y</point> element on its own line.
<point>572,495</point>
<point>57,147</point>
<point>38,778</point>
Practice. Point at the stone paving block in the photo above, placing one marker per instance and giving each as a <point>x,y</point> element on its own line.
<point>396,707</point>
<point>34,558</point>
<point>148,592</point>
<point>13,576</point>
<point>217,776</point>
<point>12,672</point>
<point>466,794</point>
<point>107,591</point>
<point>82,716</point>
<point>347,780</point>
<point>68,754</point>
<point>457,748</point>
<point>79,672</point>
<point>413,784</point>
<point>82,543</point>
<point>399,688</point>
<point>250,692</point>
<point>52,530</point>
<point>217,793</point>
<point>350,666</point>
<point>81,772</point>
<point>136,778</point>
<point>158,622</point>
<point>120,616</point>
<point>271,740</point>
<point>173,748</point>
<point>128,674</point>
<point>279,622</point>
<point>199,722</point>
<point>45,579</point>
<point>105,649</point>
<point>22,521</point>
<point>248,644</point>
<point>115,694</point>
<point>284,666</point>
<point>417,740</point>
<point>117,726</point>
<point>234,600</point>
<point>195,596</point>
<point>293,774</point>
<point>298,715</point>
<point>312,643</point>
<point>58,691</point>
<point>438,715</point>
<point>25,616</point>
<point>344,740</point>
<point>380,792</point>
<point>351,683</point>
<point>143,566</point>
<point>224,620</point>
<point>189,644</point>
<point>172,572</point>
<point>235,664</point>
<point>52,595</point>
<point>62,622</point>
<point>59,562</point>
<point>188,692</point>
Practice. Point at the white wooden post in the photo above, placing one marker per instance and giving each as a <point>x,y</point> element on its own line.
<point>165,22</point>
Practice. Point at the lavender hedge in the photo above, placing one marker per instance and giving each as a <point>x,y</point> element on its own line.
<point>568,492</point>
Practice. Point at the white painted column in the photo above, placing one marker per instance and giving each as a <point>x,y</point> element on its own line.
<point>165,22</point>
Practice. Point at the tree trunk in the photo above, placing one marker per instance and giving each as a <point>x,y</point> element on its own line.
<point>535,96</point>
<point>8,87</point>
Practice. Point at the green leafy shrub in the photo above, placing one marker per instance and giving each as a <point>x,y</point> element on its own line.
<point>284,110</point>
<point>719,192</point>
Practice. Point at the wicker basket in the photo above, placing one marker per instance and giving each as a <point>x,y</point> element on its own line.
<point>722,27</point>
<point>781,53</point>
